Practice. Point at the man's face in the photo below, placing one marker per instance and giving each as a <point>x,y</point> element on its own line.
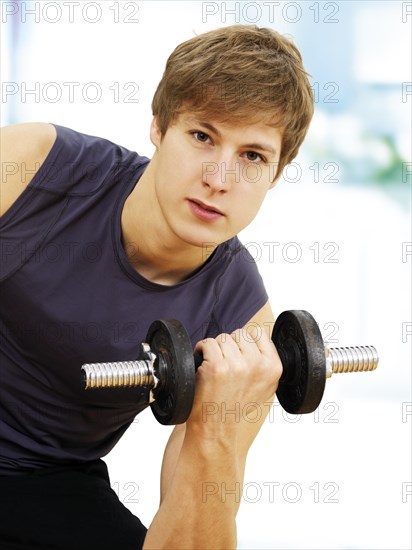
<point>211,178</point>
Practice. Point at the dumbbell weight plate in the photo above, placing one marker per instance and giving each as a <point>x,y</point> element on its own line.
<point>174,367</point>
<point>299,343</point>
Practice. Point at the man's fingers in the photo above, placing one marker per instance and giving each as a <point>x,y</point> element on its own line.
<point>247,338</point>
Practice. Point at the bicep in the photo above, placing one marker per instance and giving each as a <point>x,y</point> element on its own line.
<point>24,148</point>
<point>262,320</point>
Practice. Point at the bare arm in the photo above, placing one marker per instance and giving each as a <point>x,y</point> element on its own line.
<point>170,458</point>
<point>206,459</point>
<point>265,320</point>
<point>24,148</point>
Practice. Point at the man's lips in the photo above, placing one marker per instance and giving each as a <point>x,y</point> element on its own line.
<point>206,206</point>
<point>204,211</point>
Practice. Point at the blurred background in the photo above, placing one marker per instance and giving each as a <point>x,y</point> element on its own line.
<point>334,237</point>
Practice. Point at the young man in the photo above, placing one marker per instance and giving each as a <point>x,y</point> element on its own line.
<point>97,244</point>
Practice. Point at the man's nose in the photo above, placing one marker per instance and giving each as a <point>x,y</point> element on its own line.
<point>221,174</point>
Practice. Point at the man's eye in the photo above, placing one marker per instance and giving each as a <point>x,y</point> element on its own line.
<point>252,156</point>
<point>200,136</point>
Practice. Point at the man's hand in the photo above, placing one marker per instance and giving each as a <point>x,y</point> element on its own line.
<point>235,383</point>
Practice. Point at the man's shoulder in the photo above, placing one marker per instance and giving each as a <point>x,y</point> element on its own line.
<point>79,144</point>
<point>80,163</point>
<point>24,149</point>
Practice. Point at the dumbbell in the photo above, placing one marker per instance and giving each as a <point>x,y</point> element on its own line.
<point>167,367</point>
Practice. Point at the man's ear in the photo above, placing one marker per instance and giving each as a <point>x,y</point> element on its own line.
<point>155,134</point>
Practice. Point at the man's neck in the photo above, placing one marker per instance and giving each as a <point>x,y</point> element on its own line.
<point>151,247</point>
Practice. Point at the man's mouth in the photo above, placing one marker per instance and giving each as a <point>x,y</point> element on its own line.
<point>207,206</point>
<point>206,212</point>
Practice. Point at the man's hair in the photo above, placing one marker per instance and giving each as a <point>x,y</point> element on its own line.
<point>239,74</point>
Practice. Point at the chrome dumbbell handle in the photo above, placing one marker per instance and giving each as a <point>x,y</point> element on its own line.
<point>140,373</point>
<point>350,359</point>
<point>117,375</point>
<point>122,374</point>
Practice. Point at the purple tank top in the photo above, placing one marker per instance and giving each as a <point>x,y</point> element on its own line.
<point>69,296</point>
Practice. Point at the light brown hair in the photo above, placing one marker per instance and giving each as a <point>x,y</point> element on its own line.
<point>240,73</point>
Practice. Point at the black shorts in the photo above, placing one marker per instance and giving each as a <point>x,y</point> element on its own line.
<point>70,508</point>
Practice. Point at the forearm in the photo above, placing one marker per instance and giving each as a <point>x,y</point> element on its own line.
<point>170,458</point>
<point>202,499</point>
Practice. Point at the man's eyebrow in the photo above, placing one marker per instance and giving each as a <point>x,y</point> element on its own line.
<point>258,146</point>
<point>206,125</point>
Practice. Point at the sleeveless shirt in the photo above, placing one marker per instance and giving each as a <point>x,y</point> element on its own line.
<point>69,296</point>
